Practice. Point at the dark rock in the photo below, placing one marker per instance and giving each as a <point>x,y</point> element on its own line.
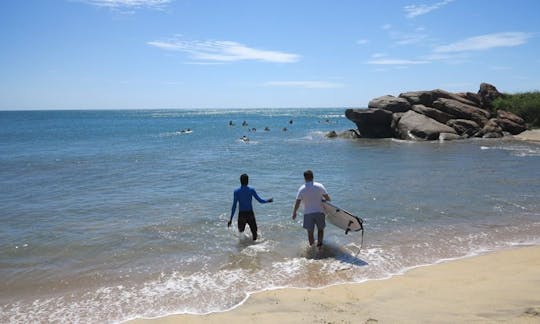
<point>438,94</point>
<point>390,103</point>
<point>371,123</point>
<point>418,97</point>
<point>462,111</point>
<point>509,126</point>
<point>488,93</point>
<point>464,126</point>
<point>493,135</point>
<point>351,133</point>
<point>474,97</point>
<point>413,125</point>
<point>433,113</point>
<point>491,130</point>
<point>331,134</point>
<point>503,114</point>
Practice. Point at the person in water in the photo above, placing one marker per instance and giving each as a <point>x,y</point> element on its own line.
<point>243,197</point>
<point>311,194</point>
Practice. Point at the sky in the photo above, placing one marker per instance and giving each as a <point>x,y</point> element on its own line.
<point>168,54</point>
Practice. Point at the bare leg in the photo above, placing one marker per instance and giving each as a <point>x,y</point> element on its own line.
<point>311,239</point>
<point>320,236</point>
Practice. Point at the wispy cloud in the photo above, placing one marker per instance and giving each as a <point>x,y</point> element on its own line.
<point>129,4</point>
<point>224,51</point>
<point>362,41</point>
<point>304,84</point>
<point>378,55</point>
<point>397,62</point>
<point>485,42</point>
<point>408,38</point>
<point>413,11</point>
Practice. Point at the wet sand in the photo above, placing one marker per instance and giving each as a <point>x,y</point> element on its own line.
<point>501,286</point>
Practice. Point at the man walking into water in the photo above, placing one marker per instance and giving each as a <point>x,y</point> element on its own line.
<point>311,194</point>
<point>243,197</point>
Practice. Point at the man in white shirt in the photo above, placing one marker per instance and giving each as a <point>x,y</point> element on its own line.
<point>311,194</point>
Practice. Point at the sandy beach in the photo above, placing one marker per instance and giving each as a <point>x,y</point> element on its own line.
<point>500,286</point>
<point>529,135</point>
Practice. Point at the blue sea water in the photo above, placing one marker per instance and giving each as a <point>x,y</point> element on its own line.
<point>113,215</point>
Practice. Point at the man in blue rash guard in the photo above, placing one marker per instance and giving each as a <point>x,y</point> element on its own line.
<point>243,197</point>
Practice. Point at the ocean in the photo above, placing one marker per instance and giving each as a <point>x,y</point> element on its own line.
<point>108,216</point>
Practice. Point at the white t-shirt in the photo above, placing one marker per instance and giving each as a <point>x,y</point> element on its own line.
<point>311,193</point>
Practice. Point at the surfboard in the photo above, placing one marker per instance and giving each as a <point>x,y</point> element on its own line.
<point>342,218</point>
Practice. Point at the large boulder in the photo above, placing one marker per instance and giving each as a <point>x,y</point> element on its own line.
<point>488,93</point>
<point>491,130</point>
<point>418,97</point>
<point>503,114</point>
<point>371,123</point>
<point>511,127</point>
<point>427,98</point>
<point>464,126</point>
<point>473,97</point>
<point>390,103</point>
<point>438,94</point>
<point>510,122</point>
<point>413,125</point>
<point>433,113</point>
<point>462,110</point>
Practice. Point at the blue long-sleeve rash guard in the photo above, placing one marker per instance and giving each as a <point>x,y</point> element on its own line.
<point>243,196</point>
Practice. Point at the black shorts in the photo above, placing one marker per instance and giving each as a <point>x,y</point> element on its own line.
<point>247,217</point>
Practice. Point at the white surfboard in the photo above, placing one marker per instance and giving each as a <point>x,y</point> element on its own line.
<point>342,218</point>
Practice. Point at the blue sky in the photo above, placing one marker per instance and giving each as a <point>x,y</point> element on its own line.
<point>136,54</point>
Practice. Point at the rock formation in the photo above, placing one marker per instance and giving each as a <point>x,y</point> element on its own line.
<point>436,114</point>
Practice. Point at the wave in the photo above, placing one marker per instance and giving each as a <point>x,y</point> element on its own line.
<point>516,150</point>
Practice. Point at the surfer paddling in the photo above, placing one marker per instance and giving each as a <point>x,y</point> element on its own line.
<point>243,197</point>
<point>311,194</point>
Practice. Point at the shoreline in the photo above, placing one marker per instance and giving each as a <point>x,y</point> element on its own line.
<point>497,286</point>
<point>529,135</point>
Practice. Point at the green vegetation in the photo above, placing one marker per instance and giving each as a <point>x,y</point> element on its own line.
<point>526,105</point>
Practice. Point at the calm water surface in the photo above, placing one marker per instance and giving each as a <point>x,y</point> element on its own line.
<point>112,215</point>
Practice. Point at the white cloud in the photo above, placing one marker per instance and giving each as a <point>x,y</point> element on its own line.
<point>422,9</point>
<point>485,42</point>
<point>362,41</point>
<point>304,84</point>
<point>378,55</point>
<point>224,51</point>
<point>407,39</point>
<point>129,4</point>
<point>397,62</point>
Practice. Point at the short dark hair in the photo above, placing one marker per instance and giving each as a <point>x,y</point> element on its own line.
<point>244,179</point>
<point>308,175</point>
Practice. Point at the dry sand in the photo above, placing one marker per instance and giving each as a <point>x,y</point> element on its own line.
<point>529,135</point>
<point>497,287</point>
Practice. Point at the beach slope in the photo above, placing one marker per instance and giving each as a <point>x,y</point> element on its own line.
<point>501,286</point>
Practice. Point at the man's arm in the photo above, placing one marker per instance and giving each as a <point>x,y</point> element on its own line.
<point>259,199</point>
<point>296,205</point>
<point>326,197</point>
<point>233,209</point>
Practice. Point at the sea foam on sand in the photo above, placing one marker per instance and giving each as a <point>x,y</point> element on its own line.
<point>494,287</point>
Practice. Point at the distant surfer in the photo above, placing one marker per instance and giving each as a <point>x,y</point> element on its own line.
<point>310,195</point>
<point>243,197</point>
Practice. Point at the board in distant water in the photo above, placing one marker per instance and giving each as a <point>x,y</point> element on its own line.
<point>342,218</point>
